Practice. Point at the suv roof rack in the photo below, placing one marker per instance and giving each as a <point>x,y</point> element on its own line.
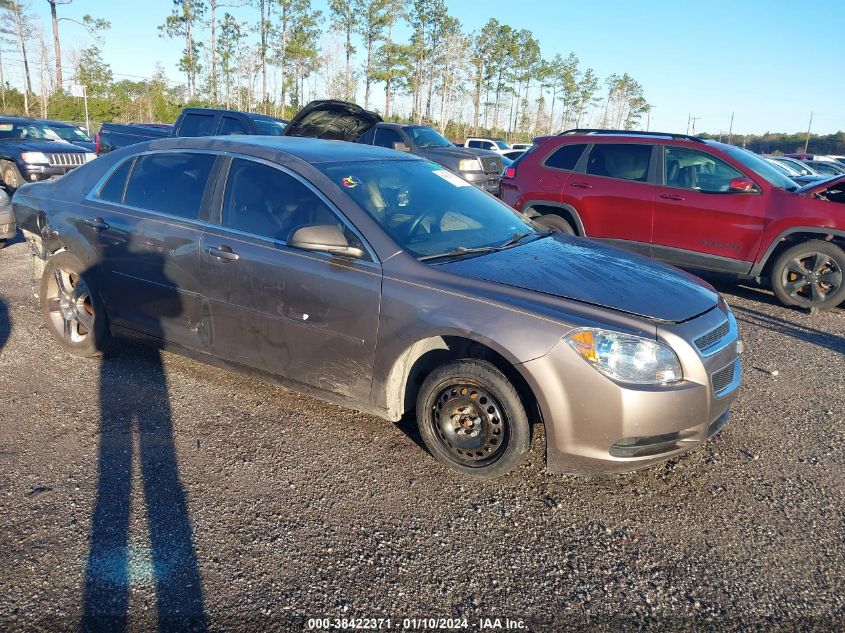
<point>599,131</point>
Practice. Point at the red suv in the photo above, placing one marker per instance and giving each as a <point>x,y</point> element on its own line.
<point>691,202</point>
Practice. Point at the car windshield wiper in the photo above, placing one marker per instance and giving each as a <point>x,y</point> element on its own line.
<point>516,238</point>
<point>459,252</point>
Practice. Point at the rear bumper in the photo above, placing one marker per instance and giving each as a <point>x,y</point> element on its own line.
<point>7,223</point>
<point>595,425</point>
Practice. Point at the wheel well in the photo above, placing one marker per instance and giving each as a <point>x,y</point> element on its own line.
<point>791,240</point>
<point>536,210</point>
<point>416,363</point>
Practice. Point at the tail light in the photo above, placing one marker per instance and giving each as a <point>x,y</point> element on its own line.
<point>97,144</point>
<point>510,172</point>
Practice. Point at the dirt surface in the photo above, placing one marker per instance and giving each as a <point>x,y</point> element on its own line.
<point>212,500</point>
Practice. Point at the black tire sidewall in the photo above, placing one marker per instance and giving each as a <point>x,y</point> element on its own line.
<point>813,246</point>
<point>92,345</point>
<point>518,432</point>
<point>556,222</point>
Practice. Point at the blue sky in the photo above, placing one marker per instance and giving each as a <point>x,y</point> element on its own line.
<point>771,62</point>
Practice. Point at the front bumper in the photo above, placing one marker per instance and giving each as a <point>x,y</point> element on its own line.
<point>37,173</point>
<point>596,425</point>
<point>488,182</point>
<point>7,223</point>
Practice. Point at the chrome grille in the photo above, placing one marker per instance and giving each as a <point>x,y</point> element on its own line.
<point>723,378</point>
<point>67,160</point>
<point>706,341</point>
<point>492,164</point>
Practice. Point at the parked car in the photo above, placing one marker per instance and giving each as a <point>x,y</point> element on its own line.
<point>381,281</point>
<point>826,167</point>
<point>513,154</point>
<point>113,136</point>
<point>793,173</point>
<point>71,133</point>
<point>522,146</point>
<point>694,203</point>
<point>497,145</point>
<point>480,167</point>
<point>31,151</point>
<point>191,122</point>
<point>796,165</point>
<point>7,219</point>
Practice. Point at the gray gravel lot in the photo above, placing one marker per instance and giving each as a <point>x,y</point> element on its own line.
<point>268,507</point>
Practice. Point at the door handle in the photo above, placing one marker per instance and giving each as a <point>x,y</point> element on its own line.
<point>224,253</point>
<point>98,224</point>
<point>671,196</point>
<point>581,185</point>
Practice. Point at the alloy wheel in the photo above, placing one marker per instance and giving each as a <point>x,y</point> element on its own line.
<point>69,306</point>
<point>811,277</point>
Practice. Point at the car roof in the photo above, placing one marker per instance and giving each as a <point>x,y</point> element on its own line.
<point>311,150</point>
<point>19,119</point>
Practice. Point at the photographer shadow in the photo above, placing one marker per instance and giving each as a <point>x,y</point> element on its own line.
<point>136,421</point>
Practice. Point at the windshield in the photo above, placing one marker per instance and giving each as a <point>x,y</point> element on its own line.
<point>424,136</point>
<point>269,128</point>
<point>759,166</point>
<point>426,209</point>
<point>27,131</point>
<point>70,133</point>
<point>502,145</point>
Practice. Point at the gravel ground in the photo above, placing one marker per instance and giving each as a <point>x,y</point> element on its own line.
<point>267,507</point>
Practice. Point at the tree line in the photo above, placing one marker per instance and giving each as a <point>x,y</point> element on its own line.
<point>410,60</point>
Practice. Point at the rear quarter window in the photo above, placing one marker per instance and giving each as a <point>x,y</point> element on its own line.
<point>112,190</point>
<point>566,157</point>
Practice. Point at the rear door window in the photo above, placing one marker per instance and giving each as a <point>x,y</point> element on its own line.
<point>566,157</point>
<point>231,125</point>
<point>197,125</point>
<point>173,183</point>
<point>626,161</point>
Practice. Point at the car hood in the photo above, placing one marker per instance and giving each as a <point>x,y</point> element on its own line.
<point>332,119</point>
<point>821,185</point>
<point>453,153</point>
<point>586,271</point>
<point>47,146</point>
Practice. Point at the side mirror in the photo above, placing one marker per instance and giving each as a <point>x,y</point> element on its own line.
<point>742,185</point>
<point>324,238</point>
<point>401,147</point>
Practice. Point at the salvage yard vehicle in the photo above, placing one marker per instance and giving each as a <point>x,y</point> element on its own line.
<point>31,151</point>
<point>698,204</point>
<point>7,219</point>
<point>383,282</point>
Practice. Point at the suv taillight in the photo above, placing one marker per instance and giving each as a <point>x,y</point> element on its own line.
<point>97,144</point>
<point>510,172</point>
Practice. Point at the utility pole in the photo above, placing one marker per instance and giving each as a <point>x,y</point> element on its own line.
<point>731,130</point>
<point>689,118</point>
<point>807,141</point>
<point>693,119</point>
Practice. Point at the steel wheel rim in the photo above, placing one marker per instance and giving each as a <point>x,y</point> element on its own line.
<point>811,277</point>
<point>469,424</point>
<point>69,306</point>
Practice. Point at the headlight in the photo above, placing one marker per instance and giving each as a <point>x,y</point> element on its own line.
<point>34,157</point>
<point>470,164</point>
<point>625,357</point>
<point>89,156</point>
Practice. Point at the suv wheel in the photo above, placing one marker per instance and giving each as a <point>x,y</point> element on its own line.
<point>11,176</point>
<point>810,275</point>
<point>556,223</point>
<point>472,419</point>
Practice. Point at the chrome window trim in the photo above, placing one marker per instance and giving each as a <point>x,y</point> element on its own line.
<point>93,196</point>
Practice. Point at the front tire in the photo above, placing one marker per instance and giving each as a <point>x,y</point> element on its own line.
<point>472,419</point>
<point>556,223</point>
<point>810,275</point>
<point>72,312</point>
<point>11,176</point>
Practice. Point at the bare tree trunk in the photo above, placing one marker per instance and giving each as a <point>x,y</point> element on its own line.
<point>56,44</point>
<point>213,4</point>
<point>44,80</point>
<point>2,82</point>
<point>263,54</point>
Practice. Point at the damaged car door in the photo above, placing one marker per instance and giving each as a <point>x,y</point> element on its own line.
<point>307,315</point>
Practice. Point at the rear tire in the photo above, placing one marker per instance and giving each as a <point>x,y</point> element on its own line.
<point>555,222</point>
<point>472,419</point>
<point>72,311</point>
<point>811,275</point>
<point>11,176</point>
